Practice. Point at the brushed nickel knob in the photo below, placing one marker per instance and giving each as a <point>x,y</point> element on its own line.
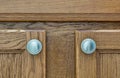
<point>88,46</point>
<point>34,46</point>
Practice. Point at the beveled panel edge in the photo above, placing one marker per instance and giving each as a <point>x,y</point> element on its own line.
<point>20,30</point>
<point>100,30</point>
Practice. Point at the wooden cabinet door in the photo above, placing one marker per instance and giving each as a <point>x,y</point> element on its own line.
<point>105,61</point>
<point>15,61</point>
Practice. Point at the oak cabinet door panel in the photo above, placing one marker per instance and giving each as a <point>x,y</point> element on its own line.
<point>105,61</point>
<point>15,61</point>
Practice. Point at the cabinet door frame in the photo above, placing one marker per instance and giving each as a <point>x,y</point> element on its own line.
<point>107,41</point>
<point>14,42</point>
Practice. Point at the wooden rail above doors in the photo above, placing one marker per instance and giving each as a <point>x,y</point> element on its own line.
<point>59,17</point>
<point>60,10</point>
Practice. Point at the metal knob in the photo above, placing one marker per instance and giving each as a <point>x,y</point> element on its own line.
<point>88,46</point>
<point>34,46</point>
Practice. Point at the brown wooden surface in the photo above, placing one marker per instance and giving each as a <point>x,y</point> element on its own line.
<point>12,39</point>
<point>60,10</point>
<point>10,65</point>
<point>36,65</point>
<point>109,65</point>
<point>60,17</point>
<point>105,39</point>
<point>61,62</point>
<point>60,6</point>
<point>85,64</point>
<point>15,61</point>
<point>104,63</point>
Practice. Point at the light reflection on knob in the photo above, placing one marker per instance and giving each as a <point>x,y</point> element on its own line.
<point>88,46</point>
<point>34,46</point>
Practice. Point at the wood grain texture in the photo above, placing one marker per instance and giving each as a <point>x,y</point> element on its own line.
<point>60,17</point>
<point>109,65</point>
<point>22,65</point>
<point>11,51</point>
<point>60,6</point>
<point>34,66</point>
<point>60,62</point>
<point>60,10</point>
<point>12,39</point>
<point>105,39</point>
<point>10,65</point>
<point>95,65</point>
<point>85,64</point>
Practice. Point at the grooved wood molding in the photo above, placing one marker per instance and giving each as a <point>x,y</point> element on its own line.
<point>60,10</point>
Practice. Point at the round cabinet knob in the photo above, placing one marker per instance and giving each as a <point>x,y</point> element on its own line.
<point>88,46</point>
<point>34,46</point>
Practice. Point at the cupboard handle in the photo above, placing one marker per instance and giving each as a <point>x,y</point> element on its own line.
<point>88,46</point>
<point>34,46</point>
